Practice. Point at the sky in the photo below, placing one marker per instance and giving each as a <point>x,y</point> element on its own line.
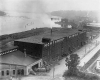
<point>48,5</point>
<point>73,4</point>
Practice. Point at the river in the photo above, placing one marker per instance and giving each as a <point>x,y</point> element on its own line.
<point>18,22</point>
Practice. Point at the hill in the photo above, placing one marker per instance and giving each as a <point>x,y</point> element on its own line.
<point>2,13</point>
<point>76,15</point>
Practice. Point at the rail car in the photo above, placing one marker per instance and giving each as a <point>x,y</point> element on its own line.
<point>52,47</point>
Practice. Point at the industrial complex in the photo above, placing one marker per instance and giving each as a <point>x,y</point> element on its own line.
<point>38,51</point>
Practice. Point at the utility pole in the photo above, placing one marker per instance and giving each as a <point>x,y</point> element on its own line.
<point>53,71</point>
<point>51,31</point>
<point>85,49</point>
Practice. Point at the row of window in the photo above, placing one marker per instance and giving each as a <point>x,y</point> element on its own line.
<point>53,42</point>
<point>55,18</point>
<point>8,73</point>
<point>73,35</point>
<point>8,51</point>
<point>59,40</point>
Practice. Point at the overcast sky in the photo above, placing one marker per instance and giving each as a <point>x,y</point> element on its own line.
<point>48,5</point>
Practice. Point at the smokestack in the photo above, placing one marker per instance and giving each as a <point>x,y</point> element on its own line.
<point>25,52</point>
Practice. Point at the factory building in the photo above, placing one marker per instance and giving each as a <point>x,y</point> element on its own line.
<point>56,18</point>
<point>33,52</point>
<point>52,46</point>
<point>14,63</point>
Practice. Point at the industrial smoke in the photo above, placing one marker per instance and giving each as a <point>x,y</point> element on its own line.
<point>24,15</point>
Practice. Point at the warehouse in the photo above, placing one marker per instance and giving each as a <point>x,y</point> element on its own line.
<point>52,46</point>
<point>16,63</point>
<point>35,51</point>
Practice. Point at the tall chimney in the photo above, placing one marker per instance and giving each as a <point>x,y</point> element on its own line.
<point>25,52</point>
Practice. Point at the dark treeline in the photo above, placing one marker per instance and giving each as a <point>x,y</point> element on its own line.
<point>71,14</point>
<point>2,13</point>
<point>77,18</point>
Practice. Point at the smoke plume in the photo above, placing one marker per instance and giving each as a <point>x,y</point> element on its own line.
<point>24,15</point>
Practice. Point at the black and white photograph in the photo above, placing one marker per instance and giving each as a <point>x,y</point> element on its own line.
<point>49,39</point>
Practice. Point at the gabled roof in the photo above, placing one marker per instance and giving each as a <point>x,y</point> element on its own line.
<point>17,57</point>
<point>6,48</point>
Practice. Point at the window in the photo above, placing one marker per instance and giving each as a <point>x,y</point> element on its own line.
<point>3,53</point>
<point>2,73</point>
<point>57,40</point>
<point>18,71</point>
<point>7,72</point>
<point>15,49</point>
<point>53,43</point>
<point>45,45</point>
<point>13,72</point>
<point>10,51</point>
<point>7,51</point>
<point>50,43</point>
<point>22,72</point>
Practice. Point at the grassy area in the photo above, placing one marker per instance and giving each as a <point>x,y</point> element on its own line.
<point>81,76</point>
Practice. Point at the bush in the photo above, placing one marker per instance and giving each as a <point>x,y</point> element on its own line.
<point>81,75</point>
<point>73,71</point>
<point>87,76</point>
<point>94,77</point>
<point>70,74</point>
<point>72,63</point>
<point>65,74</point>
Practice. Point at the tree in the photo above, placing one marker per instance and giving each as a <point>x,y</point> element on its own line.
<point>72,61</point>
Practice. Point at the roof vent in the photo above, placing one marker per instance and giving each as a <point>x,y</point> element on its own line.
<point>46,40</point>
<point>80,30</point>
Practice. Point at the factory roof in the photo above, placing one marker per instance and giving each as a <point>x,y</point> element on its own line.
<point>56,34</point>
<point>17,58</point>
<point>6,48</point>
